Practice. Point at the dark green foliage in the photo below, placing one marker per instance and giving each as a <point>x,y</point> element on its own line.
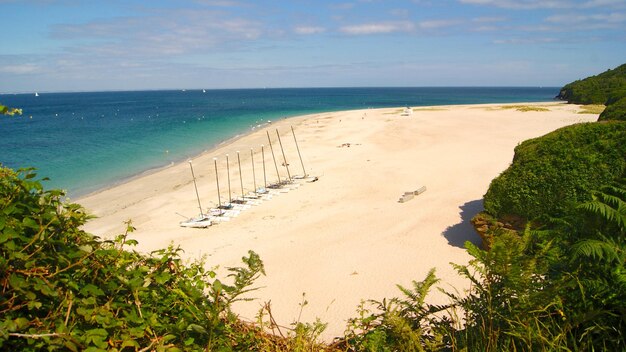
<point>615,111</point>
<point>551,174</point>
<point>608,88</point>
<point>63,289</point>
<point>596,89</point>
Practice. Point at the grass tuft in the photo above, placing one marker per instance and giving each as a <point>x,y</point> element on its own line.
<point>592,109</point>
<point>524,108</point>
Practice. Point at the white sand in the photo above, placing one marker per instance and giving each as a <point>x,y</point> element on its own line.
<point>346,237</point>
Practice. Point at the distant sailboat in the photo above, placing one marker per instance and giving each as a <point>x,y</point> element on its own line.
<point>204,91</point>
<point>36,94</point>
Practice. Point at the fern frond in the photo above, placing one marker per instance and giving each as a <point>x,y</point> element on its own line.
<point>606,212</point>
<point>416,297</point>
<point>597,249</point>
<point>612,200</point>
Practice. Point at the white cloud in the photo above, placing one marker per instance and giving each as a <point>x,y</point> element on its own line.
<point>21,69</point>
<point>546,4</point>
<point>306,30</point>
<point>488,19</point>
<point>378,28</point>
<point>604,3</point>
<point>521,4</point>
<point>436,24</point>
<point>219,3</point>
<point>164,33</point>
<point>582,19</point>
<point>342,6</point>
<point>526,41</point>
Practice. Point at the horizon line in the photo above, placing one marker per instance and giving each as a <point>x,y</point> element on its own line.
<point>262,88</point>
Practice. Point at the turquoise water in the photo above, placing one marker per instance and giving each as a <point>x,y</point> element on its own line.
<point>88,141</point>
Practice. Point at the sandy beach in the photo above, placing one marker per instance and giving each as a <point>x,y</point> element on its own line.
<point>344,238</point>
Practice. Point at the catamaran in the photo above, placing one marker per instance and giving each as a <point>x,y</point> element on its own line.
<point>203,220</point>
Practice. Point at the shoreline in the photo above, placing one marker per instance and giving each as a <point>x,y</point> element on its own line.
<point>346,237</point>
<point>233,139</point>
<point>176,162</point>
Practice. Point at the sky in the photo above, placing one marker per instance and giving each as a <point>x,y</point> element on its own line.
<point>83,45</point>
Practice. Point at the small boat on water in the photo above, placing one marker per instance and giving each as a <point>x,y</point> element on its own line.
<point>36,94</point>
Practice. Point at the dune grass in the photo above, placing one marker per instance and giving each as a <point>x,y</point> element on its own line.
<point>592,109</point>
<point>524,108</point>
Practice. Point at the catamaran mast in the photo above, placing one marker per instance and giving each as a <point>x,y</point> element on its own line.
<point>273,156</point>
<point>284,158</point>
<point>253,173</point>
<point>240,175</point>
<point>298,148</point>
<point>217,179</point>
<point>196,187</point>
<point>230,198</point>
<point>263,157</point>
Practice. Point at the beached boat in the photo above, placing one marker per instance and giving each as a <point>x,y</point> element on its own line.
<point>202,221</point>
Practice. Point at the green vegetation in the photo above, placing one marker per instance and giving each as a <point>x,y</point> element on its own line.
<point>5,110</point>
<point>607,88</point>
<point>556,278</point>
<point>596,89</point>
<point>615,111</point>
<point>63,289</point>
<point>551,174</point>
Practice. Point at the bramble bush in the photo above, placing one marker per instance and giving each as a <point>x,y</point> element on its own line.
<point>549,175</point>
<point>64,289</point>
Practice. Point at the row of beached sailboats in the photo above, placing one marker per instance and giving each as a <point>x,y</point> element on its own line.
<point>227,210</point>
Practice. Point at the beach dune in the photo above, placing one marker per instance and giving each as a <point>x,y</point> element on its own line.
<point>346,237</point>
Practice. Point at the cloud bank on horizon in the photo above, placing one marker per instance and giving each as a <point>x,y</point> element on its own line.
<point>70,45</point>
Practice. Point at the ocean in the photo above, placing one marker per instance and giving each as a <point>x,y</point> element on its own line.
<point>87,141</point>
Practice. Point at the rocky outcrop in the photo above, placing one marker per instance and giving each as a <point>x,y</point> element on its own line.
<point>487,227</point>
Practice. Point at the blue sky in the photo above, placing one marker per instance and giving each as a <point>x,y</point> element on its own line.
<point>72,45</point>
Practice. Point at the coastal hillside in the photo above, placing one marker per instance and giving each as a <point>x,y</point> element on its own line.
<point>564,198</point>
<point>549,175</point>
<point>608,88</point>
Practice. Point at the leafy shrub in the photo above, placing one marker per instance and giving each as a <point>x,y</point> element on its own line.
<point>63,289</point>
<point>615,111</point>
<point>549,175</point>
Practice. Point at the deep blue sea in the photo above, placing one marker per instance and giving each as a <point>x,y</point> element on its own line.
<point>87,141</point>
